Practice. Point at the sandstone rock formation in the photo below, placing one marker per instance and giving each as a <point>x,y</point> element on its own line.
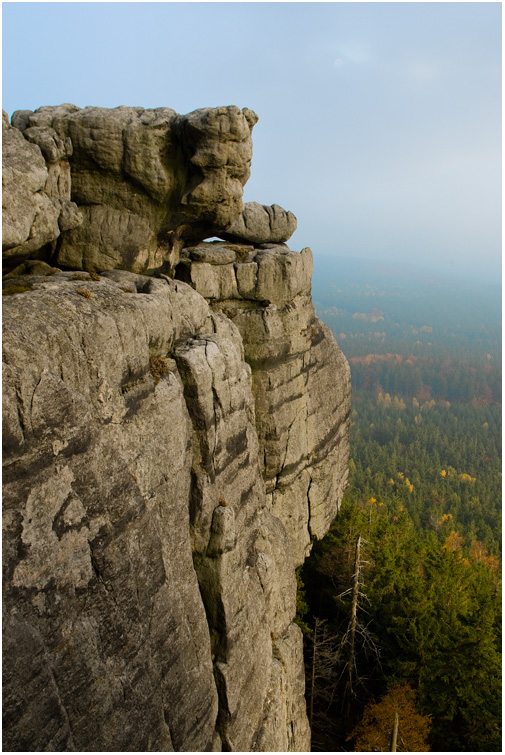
<point>259,224</point>
<point>171,446</point>
<point>145,181</point>
<point>301,405</point>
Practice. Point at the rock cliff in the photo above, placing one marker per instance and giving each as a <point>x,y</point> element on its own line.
<point>172,442</point>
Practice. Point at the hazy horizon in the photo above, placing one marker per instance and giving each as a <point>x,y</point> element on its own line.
<point>380,123</point>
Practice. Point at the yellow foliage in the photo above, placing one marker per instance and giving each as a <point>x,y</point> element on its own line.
<point>373,733</point>
<point>467,478</point>
<point>443,473</point>
<point>454,542</point>
<point>400,475</point>
<point>428,404</point>
<point>399,403</point>
<point>492,563</point>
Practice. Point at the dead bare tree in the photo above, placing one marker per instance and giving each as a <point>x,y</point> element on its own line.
<point>323,681</point>
<point>334,674</point>
<point>394,734</point>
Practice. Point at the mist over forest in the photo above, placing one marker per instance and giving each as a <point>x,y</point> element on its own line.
<point>400,603</point>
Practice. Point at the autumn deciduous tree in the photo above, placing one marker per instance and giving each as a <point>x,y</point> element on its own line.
<point>454,542</point>
<point>373,733</point>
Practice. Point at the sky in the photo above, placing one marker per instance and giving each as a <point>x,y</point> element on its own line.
<point>379,123</point>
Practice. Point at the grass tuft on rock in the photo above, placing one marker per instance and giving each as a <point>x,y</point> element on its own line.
<point>16,288</point>
<point>158,368</point>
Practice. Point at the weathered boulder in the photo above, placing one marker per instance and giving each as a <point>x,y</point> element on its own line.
<point>260,224</point>
<point>36,204</point>
<point>146,181</point>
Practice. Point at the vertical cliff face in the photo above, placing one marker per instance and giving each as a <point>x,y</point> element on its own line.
<point>171,446</point>
<point>300,378</point>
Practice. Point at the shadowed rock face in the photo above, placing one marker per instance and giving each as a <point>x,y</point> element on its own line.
<point>170,447</point>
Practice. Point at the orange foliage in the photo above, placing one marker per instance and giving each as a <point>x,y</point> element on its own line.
<point>370,358</point>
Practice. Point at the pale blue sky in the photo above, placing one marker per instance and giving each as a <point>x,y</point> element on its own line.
<point>380,123</point>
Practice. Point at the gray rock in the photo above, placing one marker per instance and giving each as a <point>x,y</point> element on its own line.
<point>214,254</point>
<point>32,267</point>
<point>301,379</point>
<point>149,592</point>
<point>35,195</point>
<point>69,216</point>
<point>260,224</point>
<point>20,119</point>
<point>154,506</point>
<point>52,146</point>
<point>146,181</point>
<point>275,275</point>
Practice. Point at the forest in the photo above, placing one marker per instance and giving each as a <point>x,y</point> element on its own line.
<point>400,604</point>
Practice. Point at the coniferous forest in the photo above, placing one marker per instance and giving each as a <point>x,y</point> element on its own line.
<point>400,603</point>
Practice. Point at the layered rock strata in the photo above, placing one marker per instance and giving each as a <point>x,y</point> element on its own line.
<point>171,446</point>
<point>300,380</point>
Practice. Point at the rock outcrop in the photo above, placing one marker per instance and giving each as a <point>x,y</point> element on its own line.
<point>171,448</point>
<point>146,181</point>
<point>259,224</point>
